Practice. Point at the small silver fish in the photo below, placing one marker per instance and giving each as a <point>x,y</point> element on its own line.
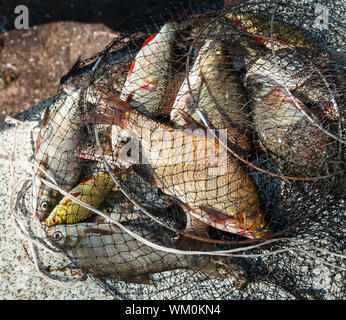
<point>55,153</point>
<point>106,250</point>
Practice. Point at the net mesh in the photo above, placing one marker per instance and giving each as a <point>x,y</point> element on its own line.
<point>205,156</point>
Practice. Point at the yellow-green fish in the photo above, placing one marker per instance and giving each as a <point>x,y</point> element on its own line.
<point>92,191</point>
<point>102,193</point>
<point>259,28</point>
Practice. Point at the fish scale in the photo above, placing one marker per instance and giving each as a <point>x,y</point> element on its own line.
<point>55,153</point>
<point>106,250</point>
<point>179,179</point>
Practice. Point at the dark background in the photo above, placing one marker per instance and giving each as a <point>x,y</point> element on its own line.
<point>33,61</point>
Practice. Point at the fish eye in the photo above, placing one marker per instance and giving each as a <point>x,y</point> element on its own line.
<point>44,205</point>
<point>57,236</point>
<point>107,210</point>
<point>54,220</point>
<point>218,50</point>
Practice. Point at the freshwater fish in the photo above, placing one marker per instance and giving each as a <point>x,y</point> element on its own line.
<point>221,97</point>
<point>106,250</point>
<point>259,29</point>
<point>93,191</point>
<point>215,190</point>
<point>88,149</point>
<point>281,118</point>
<point>148,76</point>
<point>102,193</point>
<point>58,138</point>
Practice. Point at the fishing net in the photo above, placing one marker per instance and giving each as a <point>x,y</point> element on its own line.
<point>203,156</point>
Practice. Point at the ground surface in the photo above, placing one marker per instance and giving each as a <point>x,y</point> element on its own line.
<point>33,61</point>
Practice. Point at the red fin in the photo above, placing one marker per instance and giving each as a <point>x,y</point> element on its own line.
<point>46,118</point>
<point>85,181</point>
<point>149,39</point>
<point>130,96</point>
<point>38,143</point>
<point>132,67</point>
<point>76,194</point>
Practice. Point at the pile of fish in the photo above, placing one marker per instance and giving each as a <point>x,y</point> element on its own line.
<point>179,130</point>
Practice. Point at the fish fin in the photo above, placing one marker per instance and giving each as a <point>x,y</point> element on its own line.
<point>219,220</point>
<point>38,143</point>
<point>46,117</point>
<point>130,96</point>
<point>118,109</point>
<point>132,67</point>
<point>148,40</point>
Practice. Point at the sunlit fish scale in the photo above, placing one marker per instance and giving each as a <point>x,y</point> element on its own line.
<point>102,193</point>
<point>259,28</point>
<point>106,250</point>
<point>93,191</point>
<point>285,131</point>
<point>222,98</point>
<point>55,147</point>
<point>149,73</point>
<point>197,175</point>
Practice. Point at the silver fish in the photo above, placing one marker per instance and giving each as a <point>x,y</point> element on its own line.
<point>281,119</point>
<point>106,250</point>
<point>55,153</point>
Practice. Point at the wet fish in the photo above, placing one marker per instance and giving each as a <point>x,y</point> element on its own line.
<point>88,149</point>
<point>221,99</point>
<point>215,190</point>
<point>281,119</point>
<point>55,146</point>
<point>91,191</point>
<point>259,28</point>
<point>148,76</point>
<point>102,193</point>
<point>105,250</point>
